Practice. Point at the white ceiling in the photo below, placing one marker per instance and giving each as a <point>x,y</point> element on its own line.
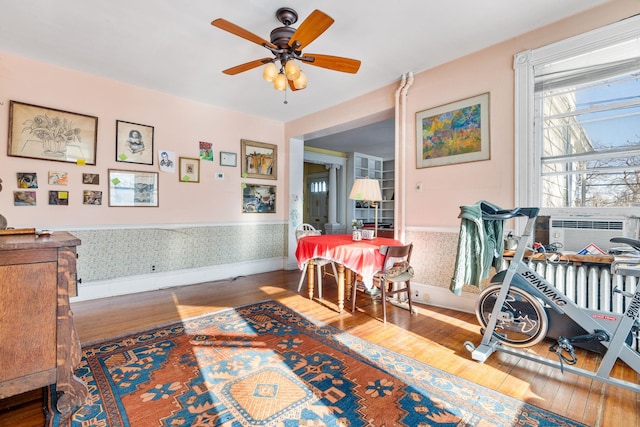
<point>170,46</point>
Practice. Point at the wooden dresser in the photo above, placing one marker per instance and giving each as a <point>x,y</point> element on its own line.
<point>39,345</point>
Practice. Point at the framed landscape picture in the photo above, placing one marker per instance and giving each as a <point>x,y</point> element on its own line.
<point>259,160</point>
<point>454,133</point>
<point>46,133</point>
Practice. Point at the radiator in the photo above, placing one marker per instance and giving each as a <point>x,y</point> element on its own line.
<point>589,286</point>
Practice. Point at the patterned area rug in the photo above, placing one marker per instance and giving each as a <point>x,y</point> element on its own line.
<point>266,365</point>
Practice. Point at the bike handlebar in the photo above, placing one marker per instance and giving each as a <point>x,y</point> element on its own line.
<point>490,212</point>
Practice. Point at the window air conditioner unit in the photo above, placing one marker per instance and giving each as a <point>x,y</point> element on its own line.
<point>576,233</point>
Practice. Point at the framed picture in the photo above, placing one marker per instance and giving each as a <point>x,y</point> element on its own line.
<point>257,198</point>
<point>27,180</point>
<point>24,198</point>
<point>58,178</point>
<point>133,188</point>
<point>228,159</point>
<point>134,143</point>
<point>454,133</point>
<point>259,160</point>
<point>59,198</point>
<point>91,178</point>
<point>49,134</point>
<point>90,197</point>
<point>189,169</point>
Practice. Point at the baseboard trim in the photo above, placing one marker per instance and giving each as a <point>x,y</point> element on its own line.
<point>443,297</point>
<point>161,280</point>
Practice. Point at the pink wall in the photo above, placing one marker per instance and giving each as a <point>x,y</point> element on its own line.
<point>445,188</point>
<point>179,126</point>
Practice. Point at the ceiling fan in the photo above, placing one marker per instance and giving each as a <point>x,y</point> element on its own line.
<point>286,45</point>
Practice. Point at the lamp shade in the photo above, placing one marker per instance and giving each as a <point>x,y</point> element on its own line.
<point>301,81</point>
<point>270,72</point>
<point>292,70</point>
<point>366,189</point>
<point>280,82</point>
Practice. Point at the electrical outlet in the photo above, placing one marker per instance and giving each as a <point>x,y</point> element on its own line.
<point>416,294</point>
<point>153,268</point>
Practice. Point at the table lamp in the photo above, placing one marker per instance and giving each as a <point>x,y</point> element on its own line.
<point>367,190</point>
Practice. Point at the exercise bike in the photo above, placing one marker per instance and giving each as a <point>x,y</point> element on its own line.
<point>520,308</point>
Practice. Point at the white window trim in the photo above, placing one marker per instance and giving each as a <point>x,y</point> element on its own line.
<point>527,183</point>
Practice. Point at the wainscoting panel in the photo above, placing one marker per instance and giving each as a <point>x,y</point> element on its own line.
<point>116,253</point>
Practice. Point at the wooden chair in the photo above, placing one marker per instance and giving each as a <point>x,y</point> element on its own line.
<point>395,278</point>
<point>320,263</point>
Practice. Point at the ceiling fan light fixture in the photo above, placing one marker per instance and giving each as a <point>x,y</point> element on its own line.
<point>280,82</point>
<point>270,72</point>
<point>292,70</point>
<point>301,81</point>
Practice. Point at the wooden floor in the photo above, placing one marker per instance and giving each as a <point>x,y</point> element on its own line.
<point>433,335</point>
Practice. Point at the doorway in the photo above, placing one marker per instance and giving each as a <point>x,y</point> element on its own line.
<point>317,200</point>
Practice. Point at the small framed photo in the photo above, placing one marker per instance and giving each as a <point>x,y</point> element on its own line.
<point>258,198</point>
<point>91,178</point>
<point>189,169</point>
<point>259,160</point>
<point>47,133</point>
<point>27,180</point>
<point>228,159</point>
<point>24,198</point>
<point>134,143</point>
<point>59,198</point>
<point>90,197</point>
<point>58,178</point>
<point>133,188</point>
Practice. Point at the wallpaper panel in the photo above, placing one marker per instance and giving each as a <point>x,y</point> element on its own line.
<point>112,253</point>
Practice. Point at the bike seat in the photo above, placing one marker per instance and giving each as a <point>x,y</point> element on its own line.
<point>634,243</point>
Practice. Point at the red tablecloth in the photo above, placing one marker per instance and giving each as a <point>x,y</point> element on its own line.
<point>362,257</point>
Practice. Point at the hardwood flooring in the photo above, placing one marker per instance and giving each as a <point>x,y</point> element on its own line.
<point>434,336</point>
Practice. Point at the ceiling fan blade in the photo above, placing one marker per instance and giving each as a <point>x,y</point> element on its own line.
<point>246,67</point>
<point>336,63</point>
<point>310,29</point>
<point>232,28</point>
<point>292,86</point>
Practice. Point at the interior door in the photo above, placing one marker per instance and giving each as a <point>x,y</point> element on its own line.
<point>318,199</point>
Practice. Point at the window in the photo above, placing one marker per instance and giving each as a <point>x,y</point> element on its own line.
<point>578,123</point>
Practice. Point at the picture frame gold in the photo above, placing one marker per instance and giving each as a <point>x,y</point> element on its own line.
<point>258,160</point>
<point>45,133</point>
<point>457,132</point>
<point>189,169</point>
<point>133,188</point>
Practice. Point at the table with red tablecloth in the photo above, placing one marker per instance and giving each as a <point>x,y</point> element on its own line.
<point>363,257</point>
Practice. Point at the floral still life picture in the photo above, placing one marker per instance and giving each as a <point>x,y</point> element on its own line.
<point>49,134</point>
<point>454,133</point>
<point>134,143</point>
